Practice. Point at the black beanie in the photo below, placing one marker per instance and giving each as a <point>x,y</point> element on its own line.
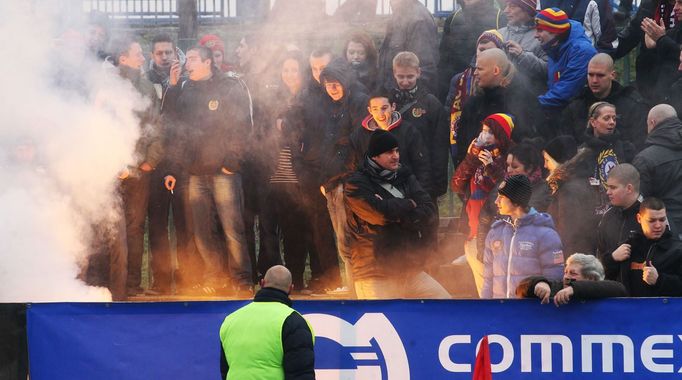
<point>380,142</point>
<point>561,148</point>
<point>517,188</point>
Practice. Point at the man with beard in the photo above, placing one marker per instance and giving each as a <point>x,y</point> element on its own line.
<point>387,211</point>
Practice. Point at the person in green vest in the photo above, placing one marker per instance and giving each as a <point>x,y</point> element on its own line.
<point>267,339</point>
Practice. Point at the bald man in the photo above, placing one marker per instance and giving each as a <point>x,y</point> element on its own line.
<point>660,163</point>
<point>267,339</point>
<point>499,89</point>
<point>602,85</point>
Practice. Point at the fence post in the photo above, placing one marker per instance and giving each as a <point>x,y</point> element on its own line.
<point>187,23</point>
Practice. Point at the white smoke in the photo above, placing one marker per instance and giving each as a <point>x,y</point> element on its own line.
<point>64,137</point>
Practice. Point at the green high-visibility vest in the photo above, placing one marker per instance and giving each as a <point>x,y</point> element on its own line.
<point>252,341</point>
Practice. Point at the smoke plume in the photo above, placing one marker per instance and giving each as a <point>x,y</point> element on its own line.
<point>68,127</point>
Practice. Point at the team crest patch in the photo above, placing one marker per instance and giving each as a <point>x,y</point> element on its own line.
<point>213,105</point>
<point>558,257</point>
<point>497,245</point>
<point>418,112</point>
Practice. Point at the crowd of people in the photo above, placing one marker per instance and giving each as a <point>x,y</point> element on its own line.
<point>336,160</point>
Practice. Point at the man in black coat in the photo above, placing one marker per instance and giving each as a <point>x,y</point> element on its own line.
<point>660,163</point>
<point>650,263</point>
<point>211,122</point>
<point>426,113</point>
<point>387,211</point>
<point>499,90</point>
<point>602,87</point>
<point>619,223</point>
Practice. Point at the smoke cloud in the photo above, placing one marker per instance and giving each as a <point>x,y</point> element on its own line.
<point>68,127</point>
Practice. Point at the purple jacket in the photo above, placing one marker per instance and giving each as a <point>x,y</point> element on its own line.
<point>535,251</point>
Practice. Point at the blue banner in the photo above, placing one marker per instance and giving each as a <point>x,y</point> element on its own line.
<point>389,340</point>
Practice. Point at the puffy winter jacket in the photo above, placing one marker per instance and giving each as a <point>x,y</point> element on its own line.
<point>529,247</point>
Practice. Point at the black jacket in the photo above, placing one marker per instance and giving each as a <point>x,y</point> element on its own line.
<point>386,236</point>
<point>579,197</point>
<point>209,124</point>
<point>631,107</point>
<point>460,33</point>
<point>667,62</point>
<point>425,112</point>
<point>297,341</point>
<point>615,228</point>
<point>411,28</point>
<point>342,118</point>
<point>515,100</point>
<point>582,290</point>
<point>665,255</point>
<point>660,168</point>
<point>413,153</point>
<point>646,65</point>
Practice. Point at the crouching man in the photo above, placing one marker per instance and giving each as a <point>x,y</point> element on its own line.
<point>583,279</point>
<point>388,211</point>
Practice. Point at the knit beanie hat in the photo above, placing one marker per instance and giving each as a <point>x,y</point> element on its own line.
<point>517,188</point>
<point>561,148</point>
<point>212,42</point>
<point>493,36</point>
<point>500,123</point>
<point>553,20</point>
<point>530,6</point>
<point>380,142</point>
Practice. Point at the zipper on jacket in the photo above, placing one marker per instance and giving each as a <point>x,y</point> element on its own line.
<point>511,252</point>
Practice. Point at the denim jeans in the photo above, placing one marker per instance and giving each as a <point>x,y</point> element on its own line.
<point>225,191</point>
<point>337,213</point>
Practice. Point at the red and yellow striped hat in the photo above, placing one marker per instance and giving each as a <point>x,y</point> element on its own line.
<point>553,20</point>
<point>503,121</point>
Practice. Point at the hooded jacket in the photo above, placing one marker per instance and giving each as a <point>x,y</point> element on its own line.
<point>631,107</point>
<point>413,153</point>
<point>386,232</point>
<point>660,168</point>
<point>567,68</point>
<point>513,251</point>
<point>343,116</point>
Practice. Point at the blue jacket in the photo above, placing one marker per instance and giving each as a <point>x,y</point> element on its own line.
<point>567,68</point>
<point>535,251</point>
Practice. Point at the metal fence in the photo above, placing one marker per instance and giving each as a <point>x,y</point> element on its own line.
<point>155,12</point>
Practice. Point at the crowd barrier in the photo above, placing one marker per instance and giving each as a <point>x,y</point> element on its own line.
<point>393,340</point>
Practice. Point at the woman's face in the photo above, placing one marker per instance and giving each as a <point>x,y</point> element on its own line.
<point>604,122</point>
<point>355,52</point>
<point>515,167</point>
<point>550,163</point>
<point>291,75</point>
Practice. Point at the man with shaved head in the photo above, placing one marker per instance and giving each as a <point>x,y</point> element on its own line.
<point>602,86</point>
<point>498,89</point>
<point>267,339</point>
<point>660,163</point>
